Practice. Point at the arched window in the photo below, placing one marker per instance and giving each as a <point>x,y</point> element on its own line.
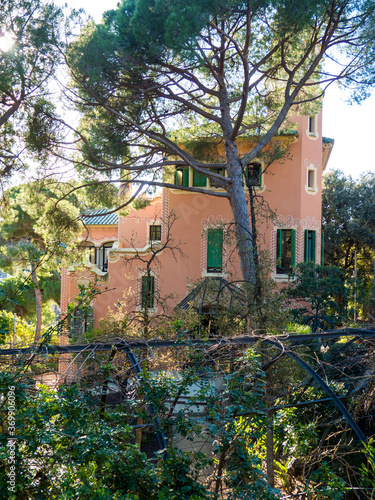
<point>98,256</point>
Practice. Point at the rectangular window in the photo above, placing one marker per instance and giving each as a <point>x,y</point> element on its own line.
<point>81,321</point>
<point>214,250</point>
<point>104,254</point>
<point>199,180</point>
<point>311,179</point>
<point>182,176</point>
<point>93,257</point>
<point>254,174</point>
<point>220,171</point>
<point>313,125</point>
<point>147,292</point>
<point>155,233</point>
<point>310,246</point>
<point>286,250</point>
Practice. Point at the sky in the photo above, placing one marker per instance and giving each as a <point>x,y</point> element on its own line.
<point>350,125</point>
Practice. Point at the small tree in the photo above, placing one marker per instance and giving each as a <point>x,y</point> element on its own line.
<point>322,293</point>
<point>39,231</point>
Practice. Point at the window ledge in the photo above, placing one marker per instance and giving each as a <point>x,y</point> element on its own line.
<point>151,310</point>
<point>176,190</point>
<point>260,189</point>
<point>89,265</point>
<point>311,191</point>
<point>155,245</point>
<point>205,274</point>
<point>313,136</point>
<point>281,277</point>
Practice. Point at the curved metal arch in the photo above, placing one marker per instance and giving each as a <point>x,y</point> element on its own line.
<point>326,389</point>
<point>157,424</point>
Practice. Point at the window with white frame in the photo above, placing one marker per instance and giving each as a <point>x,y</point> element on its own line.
<point>311,178</point>
<point>98,255</point>
<point>90,249</point>
<point>313,125</point>
<point>103,256</point>
<point>155,232</point>
<point>81,320</point>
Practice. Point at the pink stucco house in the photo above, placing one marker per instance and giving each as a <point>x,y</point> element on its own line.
<point>120,247</point>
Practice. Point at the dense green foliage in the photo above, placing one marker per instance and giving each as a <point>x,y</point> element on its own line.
<point>321,294</point>
<point>349,221</point>
<point>213,406</point>
<point>39,233</point>
<point>77,451</point>
<point>17,296</point>
<point>14,329</point>
<point>71,444</point>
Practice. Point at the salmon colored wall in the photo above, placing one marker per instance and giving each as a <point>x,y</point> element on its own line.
<point>284,190</point>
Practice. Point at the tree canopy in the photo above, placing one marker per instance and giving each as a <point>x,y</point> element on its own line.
<point>39,231</point>
<point>32,29</point>
<point>349,220</point>
<point>156,76</point>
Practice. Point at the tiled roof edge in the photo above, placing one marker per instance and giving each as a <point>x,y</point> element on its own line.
<point>102,218</point>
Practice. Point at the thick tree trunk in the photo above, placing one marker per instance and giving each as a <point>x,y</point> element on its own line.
<point>241,220</point>
<point>38,303</point>
<point>237,197</point>
<point>239,206</point>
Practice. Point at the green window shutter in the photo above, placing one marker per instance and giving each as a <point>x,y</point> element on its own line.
<point>152,280</point>
<point>310,246</point>
<point>215,250</point>
<point>144,291</point>
<point>313,247</point>
<point>199,180</point>
<point>185,177</point>
<point>322,249</point>
<point>293,249</point>
<point>147,295</point>
<point>279,247</point>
